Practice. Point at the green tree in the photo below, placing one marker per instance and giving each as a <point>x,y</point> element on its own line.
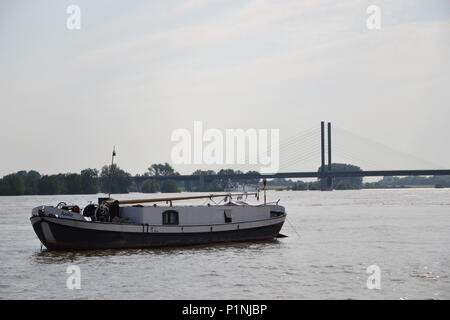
<point>150,186</point>
<point>73,183</point>
<point>300,185</point>
<point>280,182</point>
<point>346,185</point>
<point>63,187</point>
<point>31,179</point>
<point>160,169</point>
<point>253,181</point>
<point>314,185</point>
<point>441,181</point>
<point>169,186</point>
<point>119,179</point>
<point>49,185</point>
<point>223,182</point>
<point>350,182</point>
<point>12,184</point>
<point>90,181</point>
<point>208,186</point>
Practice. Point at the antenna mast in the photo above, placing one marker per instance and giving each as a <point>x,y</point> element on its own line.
<point>111,171</point>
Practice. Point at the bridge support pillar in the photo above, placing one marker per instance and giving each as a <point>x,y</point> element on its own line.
<point>323,182</point>
<point>326,182</point>
<point>329,179</point>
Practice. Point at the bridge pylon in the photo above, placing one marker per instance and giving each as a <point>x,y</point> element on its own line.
<point>326,182</point>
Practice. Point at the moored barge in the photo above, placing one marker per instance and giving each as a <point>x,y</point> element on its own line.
<point>130,224</point>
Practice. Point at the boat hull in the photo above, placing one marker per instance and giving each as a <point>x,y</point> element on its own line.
<point>56,234</point>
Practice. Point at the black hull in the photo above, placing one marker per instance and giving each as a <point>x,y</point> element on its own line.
<point>75,238</point>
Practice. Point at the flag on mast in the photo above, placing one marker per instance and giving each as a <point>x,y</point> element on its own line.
<point>114,151</point>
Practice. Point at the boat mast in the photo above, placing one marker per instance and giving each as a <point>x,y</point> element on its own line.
<point>264,182</point>
<point>111,171</point>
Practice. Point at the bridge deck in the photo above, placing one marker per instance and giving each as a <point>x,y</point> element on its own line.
<point>311,174</point>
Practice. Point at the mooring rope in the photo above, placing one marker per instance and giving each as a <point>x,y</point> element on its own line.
<point>292,226</point>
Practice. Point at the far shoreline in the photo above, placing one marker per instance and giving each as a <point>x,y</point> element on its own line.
<point>95,195</point>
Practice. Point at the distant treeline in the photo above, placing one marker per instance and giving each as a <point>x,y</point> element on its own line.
<point>385,183</point>
<point>411,181</point>
<point>88,181</point>
<point>92,181</point>
<point>339,183</point>
<point>348,183</point>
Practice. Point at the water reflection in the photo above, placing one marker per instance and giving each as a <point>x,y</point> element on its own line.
<point>55,256</point>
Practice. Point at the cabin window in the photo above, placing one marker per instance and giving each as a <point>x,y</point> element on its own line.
<point>170,217</point>
<point>227,216</point>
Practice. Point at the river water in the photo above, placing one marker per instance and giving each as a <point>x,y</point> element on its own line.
<point>333,237</point>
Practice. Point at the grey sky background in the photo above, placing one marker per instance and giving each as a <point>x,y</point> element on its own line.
<point>137,70</point>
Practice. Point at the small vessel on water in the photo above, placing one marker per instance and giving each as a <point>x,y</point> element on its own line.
<point>237,187</point>
<point>129,224</point>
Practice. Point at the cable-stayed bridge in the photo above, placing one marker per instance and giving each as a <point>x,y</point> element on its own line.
<point>310,146</point>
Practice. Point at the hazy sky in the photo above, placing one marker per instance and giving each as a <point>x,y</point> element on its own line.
<point>137,70</point>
